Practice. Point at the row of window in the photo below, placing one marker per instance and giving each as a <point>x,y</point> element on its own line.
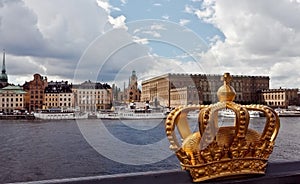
<point>275,103</point>
<point>12,105</point>
<point>93,102</point>
<point>12,99</point>
<point>92,97</point>
<point>91,92</point>
<point>4,95</point>
<point>56,104</point>
<point>58,94</point>
<point>56,99</point>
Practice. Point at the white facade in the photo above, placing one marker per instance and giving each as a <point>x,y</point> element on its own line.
<point>91,100</point>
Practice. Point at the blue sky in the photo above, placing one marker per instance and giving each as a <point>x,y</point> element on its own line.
<point>106,39</point>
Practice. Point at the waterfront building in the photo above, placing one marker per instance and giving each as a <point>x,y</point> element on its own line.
<point>279,98</point>
<point>11,99</point>
<point>91,97</point>
<point>162,87</point>
<point>3,75</point>
<point>184,96</point>
<point>59,95</point>
<point>34,98</point>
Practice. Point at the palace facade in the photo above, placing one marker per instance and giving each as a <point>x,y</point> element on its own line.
<point>183,89</point>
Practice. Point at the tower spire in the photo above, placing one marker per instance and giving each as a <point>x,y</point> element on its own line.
<point>3,64</point>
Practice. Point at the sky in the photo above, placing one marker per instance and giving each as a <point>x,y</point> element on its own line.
<point>105,40</point>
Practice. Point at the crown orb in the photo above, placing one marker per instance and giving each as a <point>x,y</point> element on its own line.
<point>226,93</point>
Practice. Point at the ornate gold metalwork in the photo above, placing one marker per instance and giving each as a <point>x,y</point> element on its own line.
<point>212,151</point>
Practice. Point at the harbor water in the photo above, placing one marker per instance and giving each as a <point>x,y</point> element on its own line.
<point>41,149</point>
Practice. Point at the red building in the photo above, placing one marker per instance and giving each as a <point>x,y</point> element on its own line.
<point>35,89</point>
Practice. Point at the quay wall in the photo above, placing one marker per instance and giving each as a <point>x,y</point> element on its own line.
<point>277,173</point>
<point>15,117</point>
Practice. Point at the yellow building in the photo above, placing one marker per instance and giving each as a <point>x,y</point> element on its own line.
<point>184,96</point>
<point>59,95</point>
<point>206,86</point>
<point>281,98</point>
<point>11,99</point>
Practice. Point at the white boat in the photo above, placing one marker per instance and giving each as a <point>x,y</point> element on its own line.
<point>48,115</point>
<point>132,114</point>
<point>108,115</point>
<point>287,112</point>
<point>230,114</point>
<point>141,115</point>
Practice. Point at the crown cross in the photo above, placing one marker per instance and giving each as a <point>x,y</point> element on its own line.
<point>214,152</point>
<point>226,78</point>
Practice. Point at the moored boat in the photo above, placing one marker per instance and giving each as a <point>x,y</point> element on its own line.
<point>131,114</point>
<point>287,113</point>
<point>230,114</point>
<point>68,115</point>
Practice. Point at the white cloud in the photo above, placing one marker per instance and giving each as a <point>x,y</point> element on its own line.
<point>259,39</point>
<point>143,41</point>
<point>184,22</point>
<point>157,4</point>
<point>124,2</point>
<point>155,34</point>
<point>166,17</point>
<point>157,27</point>
<point>118,22</point>
<point>107,7</point>
<point>189,9</point>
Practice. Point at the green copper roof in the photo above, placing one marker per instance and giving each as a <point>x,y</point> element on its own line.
<point>14,89</point>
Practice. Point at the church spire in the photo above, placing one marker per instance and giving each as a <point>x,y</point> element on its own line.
<point>3,64</point>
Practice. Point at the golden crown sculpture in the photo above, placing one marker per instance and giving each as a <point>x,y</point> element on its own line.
<point>213,152</point>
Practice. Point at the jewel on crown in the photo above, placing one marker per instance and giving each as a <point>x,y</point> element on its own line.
<point>214,152</point>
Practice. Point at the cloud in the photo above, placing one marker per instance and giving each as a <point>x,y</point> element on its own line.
<point>189,9</point>
<point>157,26</point>
<point>258,37</point>
<point>143,41</point>
<point>40,37</point>
<point>107,7</point>
<point>118,22</point>
<point>22,36</point>
<point>124,2</point>
<point>166,17</point>
<point>184,22</point>
<point>157,4</point>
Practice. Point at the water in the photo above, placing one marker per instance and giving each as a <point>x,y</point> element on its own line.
<point>39,150</point>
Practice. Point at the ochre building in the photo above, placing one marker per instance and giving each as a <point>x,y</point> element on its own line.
<point>11,99</point>
<point>279,98</point>
<point>183,89</point>
<point>59,95</point>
